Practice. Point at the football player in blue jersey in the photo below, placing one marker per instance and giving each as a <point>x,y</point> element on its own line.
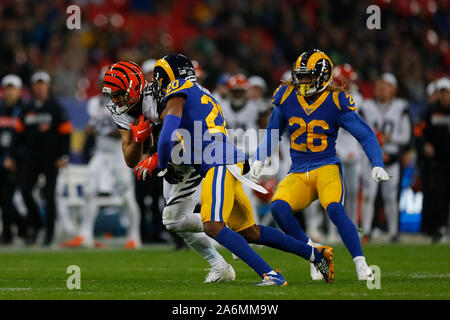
<point>312,111</point>
<point>192,114</point>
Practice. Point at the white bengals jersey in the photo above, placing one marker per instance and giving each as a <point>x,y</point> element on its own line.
<point>391,119</point>
<point>172,193</point>
<point>239,121</point>
<point>100,120</point>
<point>149,109</point>
<point>244,118</point>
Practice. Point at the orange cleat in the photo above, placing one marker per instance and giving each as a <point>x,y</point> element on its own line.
<point>99,245</point>
<point>131,244</point>
<point>73,243</point>
<point>365,239</point>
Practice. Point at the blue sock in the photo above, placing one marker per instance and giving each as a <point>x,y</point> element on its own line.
<point>275,238</point>
<point>346,228</point>
<point>239,246</point>
<point>282,213</point>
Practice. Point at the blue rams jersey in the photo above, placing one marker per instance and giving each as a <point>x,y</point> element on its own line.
<point>312,126</point>
<point>202,131</point>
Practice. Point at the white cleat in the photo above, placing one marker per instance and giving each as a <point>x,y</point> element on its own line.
<point>365,274</point>
<point>221,275</point>
<point>363,271</point>
<point>315,274</point>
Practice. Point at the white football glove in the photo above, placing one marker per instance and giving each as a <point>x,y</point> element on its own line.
<point>255,171</point>
<point>380,175</point>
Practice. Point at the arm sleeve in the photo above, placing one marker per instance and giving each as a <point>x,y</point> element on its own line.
<point>64,131</point>
<point>276,127</point>
<point>354,124</point>
<point>165,142</point>
<point>18,138</point>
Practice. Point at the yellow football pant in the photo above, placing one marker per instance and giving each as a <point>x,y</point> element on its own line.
<point>300,189</point>
<point>224,200</point>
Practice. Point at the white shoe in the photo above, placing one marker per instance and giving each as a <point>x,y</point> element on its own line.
<point>221,275</point>
<point>363,271</point>
<point>315,274</point>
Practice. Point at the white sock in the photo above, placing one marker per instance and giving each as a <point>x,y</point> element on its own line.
<point>312,257</point>
<point>360,261</point>
<point>132,209</point>
<point>201,243</point>
<point>87,224</point>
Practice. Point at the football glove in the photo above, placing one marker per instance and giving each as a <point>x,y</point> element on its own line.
<point>255,170</point>
<point>380,175</point>
<point>171,175</point>
<point>146,167</point>
<point>141,130</point>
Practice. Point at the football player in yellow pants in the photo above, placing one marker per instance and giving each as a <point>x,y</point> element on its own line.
<point>312,111</point>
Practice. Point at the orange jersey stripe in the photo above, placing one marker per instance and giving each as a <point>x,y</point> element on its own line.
<point>19,127</point>
<point>65,127</point>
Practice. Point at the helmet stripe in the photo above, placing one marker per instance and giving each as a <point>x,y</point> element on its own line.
<point>132,68</point>
<point>298,61</point>
<point>123,71</point>
<point>316,56</point>
<point>112,84</point>
<point>135,72</point>
<point>118,78</point>
<point>136,65</point>
<point>166,67</point>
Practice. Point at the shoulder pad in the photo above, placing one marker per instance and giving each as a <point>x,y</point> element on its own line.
<point>178,86</point>
<point>281,94</point>
<point>122,121</point>
<point>344,101</point>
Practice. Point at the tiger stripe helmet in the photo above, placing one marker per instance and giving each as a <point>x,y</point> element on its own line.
<point>312,72</point>
<point>169,68</point>
<point>123,84</point>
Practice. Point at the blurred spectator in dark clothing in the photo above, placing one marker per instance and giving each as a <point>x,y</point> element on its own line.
<point>433,134</point>
<point>9,109</point>
<point>42,137</point>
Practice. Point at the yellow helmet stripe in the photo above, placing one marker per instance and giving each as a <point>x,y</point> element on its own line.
<point>297,62</point>
<point>316,56</point>
<point>166,67</point>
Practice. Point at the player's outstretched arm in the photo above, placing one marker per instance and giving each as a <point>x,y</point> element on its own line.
<point>276,127</point>
<point>357,127</point>
<point>267,146</point>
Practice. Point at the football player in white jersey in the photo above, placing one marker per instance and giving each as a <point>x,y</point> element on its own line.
<point>136,113</point>
<point>348,149</point>
<point>242,113</point>
<point>389,117</point>
<point>108,175</point>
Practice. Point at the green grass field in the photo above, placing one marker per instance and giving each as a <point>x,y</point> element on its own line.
<point>407,272</point>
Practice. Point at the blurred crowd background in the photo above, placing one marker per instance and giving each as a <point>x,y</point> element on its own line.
<point>255,38</point>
